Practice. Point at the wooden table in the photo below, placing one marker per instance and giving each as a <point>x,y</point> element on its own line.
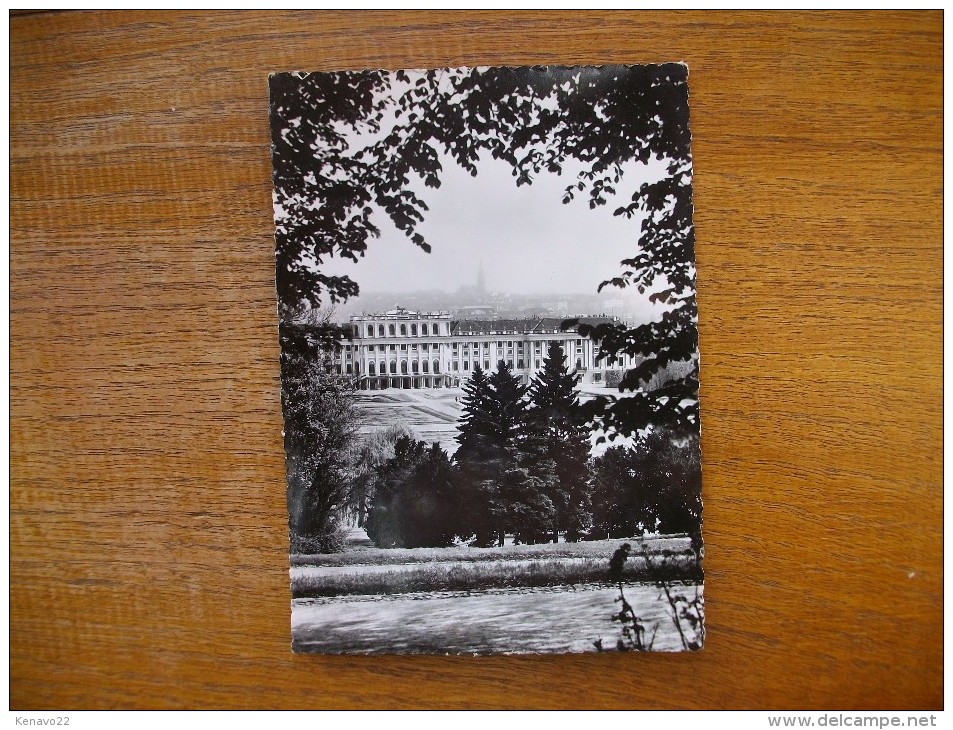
<point>148,524</point>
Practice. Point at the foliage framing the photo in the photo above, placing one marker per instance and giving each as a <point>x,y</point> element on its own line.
<point>320,425</point>
<point>327,189</point>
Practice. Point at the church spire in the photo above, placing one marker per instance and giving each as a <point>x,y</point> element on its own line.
<point>481,280</point>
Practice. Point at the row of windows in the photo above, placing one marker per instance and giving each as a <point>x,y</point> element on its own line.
<point>401,330</point>
<point>370,348</point>
<point>424,366</point>
<point>486,345</point>
<point>414,346</point>
<point>519,345</point>
<point>393,348</point>
<point>382,367</point>
<point>392,330</point>
<point>372,368</point>
<point>456,347</point>
<point>486,364</point>
<point>520,364</point>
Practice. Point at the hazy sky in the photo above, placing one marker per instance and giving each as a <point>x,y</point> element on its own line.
<point>527,240</point>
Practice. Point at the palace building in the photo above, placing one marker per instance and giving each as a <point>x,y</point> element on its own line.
<point>404,349</point>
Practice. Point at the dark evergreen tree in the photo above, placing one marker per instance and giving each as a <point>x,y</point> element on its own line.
<point>486,499</point>
<point>510,482</point>
<point>475,460</point>
<point>476,427</point>
<point>652,486</point>
<point>677,474</point>
<point>531,484</point>
<point>436,515</point>
<point>416,502</point>
<point>489,457</point>
<point>553,392</point>
<point>506,407</point>
<point>554,417</point>
<point>622,507</point>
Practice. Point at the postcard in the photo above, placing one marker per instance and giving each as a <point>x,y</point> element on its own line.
<point>489,359</point>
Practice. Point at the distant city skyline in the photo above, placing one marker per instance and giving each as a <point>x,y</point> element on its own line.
<point>470,302</point>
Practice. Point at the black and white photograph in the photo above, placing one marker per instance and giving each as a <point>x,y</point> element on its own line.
<point>489,359</point>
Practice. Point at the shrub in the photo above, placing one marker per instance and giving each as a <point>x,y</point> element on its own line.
<point>331,541</point>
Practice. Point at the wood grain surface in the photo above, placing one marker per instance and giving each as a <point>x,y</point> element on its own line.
<point>148,522</point>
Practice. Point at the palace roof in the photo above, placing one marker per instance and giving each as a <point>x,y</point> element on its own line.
<point>531,325</point>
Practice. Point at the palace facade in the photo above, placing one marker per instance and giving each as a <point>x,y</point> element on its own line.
<point>404,349</point>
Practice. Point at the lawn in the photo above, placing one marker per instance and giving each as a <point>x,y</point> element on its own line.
<point>429,570</point>
<point>522,621</point>
<point>669,544</point>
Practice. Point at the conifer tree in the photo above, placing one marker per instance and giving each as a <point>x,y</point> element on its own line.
<point>492,425</point>
<point>416,503</point>
<point>554,402</point>
<point>525,474</point>
<point>474,459</point>
<point>554,420</point>
<point>530,512</point>
<point>654,485</point>
<point>506,407</point>
<point>476,429</point>
<point>530,484</point>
